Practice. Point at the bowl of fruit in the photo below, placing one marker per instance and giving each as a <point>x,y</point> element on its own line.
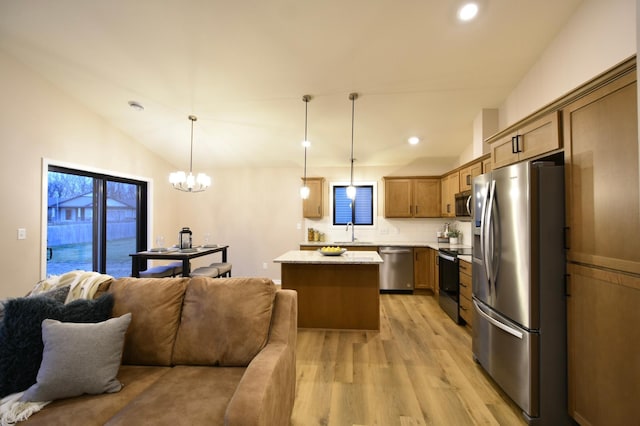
<point>332,250</point>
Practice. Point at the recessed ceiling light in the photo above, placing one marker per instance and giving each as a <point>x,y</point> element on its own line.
<point>136,105</point>
<point>414,140</point>
<point>467,11</point>
<point>306,144</point>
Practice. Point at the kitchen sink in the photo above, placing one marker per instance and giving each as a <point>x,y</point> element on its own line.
<point>353,243</point>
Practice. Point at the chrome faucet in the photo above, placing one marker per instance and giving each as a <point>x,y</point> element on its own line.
<point>353,231</point>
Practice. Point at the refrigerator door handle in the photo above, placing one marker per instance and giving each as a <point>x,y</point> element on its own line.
<point>512,331</point>
<point>484,234</point>
<point>496,238</point>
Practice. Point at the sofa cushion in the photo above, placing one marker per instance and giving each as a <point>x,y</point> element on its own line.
<point>186,395</point>
<point>155,305</point>
<point>21,334</point>
<point>79,358</point>
<point>238,317</point>
<point>96,410</point>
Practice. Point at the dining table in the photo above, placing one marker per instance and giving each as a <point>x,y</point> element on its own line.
<point>139,259</point>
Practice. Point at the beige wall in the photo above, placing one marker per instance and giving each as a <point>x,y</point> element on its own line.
<point>255,211</point>
<point>598,36</point>
<point>37,120</point>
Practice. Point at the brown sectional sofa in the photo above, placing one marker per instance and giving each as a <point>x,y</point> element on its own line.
<point>198,351</point>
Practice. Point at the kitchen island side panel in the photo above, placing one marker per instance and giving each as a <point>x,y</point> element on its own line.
<point>339,296</point>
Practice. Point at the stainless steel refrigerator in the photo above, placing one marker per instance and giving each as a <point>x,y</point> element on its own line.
<point>519,318</point>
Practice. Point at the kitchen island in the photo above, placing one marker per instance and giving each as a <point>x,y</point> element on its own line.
<point>341,292</point>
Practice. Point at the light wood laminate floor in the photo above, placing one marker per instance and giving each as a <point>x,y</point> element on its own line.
<point>418,370</point>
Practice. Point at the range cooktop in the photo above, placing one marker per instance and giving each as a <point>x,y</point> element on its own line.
<point>457,251</point>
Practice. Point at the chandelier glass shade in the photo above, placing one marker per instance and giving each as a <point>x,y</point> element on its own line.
<point>188,182</point>
<point>304,190</point>
<point>351,190</point>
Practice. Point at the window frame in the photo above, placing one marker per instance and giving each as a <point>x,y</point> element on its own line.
<point>145,205</point>
<point>374,201</point>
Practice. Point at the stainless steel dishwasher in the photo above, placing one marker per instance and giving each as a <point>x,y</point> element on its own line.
<point>396,273</point>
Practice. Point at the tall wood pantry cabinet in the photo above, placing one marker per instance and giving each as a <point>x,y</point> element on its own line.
<point>603,219</point>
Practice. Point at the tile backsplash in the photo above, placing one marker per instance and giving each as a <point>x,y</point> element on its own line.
<point>390,230</point>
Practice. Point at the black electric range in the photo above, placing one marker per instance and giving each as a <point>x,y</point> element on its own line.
<point>449,280</point>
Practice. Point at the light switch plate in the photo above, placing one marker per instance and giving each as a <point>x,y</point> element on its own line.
<point>22,233</point>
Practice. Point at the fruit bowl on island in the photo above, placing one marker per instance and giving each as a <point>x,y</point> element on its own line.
<point>332,250</point>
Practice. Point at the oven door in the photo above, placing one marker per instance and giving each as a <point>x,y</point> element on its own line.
<point>449,274</point>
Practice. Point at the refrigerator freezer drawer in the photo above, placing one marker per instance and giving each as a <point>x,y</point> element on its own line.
<point>509,354</point>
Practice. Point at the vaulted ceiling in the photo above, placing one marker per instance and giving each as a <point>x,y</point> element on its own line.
<point>243,66</point>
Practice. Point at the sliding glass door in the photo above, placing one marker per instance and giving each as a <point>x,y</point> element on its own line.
<point>94,221</point>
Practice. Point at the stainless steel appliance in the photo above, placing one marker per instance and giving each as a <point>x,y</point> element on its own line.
<point>463,204</point>
<point>519,323</point>
<point>396,272</point>
<point>449,281</point>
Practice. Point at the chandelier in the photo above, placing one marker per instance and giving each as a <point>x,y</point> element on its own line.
<point>190,183</point>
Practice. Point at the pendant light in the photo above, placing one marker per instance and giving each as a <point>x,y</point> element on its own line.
<point>351,190</point>
<point>304,191</point>
<point>189,183</point>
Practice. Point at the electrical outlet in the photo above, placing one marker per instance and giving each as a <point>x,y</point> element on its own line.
<point>265,265</point>
<point>22,233</point>
<point>298,225</point>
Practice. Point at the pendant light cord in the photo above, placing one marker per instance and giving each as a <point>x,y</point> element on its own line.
<point>353,97</point>
<point>306,106</point>
<point>192,118</point>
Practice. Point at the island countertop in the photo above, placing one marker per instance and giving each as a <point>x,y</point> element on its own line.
<point>314,257</point>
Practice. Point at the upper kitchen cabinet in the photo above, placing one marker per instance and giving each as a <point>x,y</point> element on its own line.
<point>486,165</point>
<point>530,140</point>
<point>312,206</point>
<point>450,186</point>
<point>411,197</point>
<point>601,138</point>
<point>468,173</point>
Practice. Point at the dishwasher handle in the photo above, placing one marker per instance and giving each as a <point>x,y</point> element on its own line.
<point>394,251</point>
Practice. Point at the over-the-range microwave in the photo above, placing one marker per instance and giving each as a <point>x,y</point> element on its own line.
<point>463,204</point>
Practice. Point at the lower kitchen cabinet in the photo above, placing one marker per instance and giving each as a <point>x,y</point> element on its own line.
<point>434,259</point>
<point>603,346</point>
<point>465,293</point>
<point>424,276</point>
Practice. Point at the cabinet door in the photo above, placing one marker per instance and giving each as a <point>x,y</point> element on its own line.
<point>312,206</point>
<point>539,137</point>
<point>421,268</point>
<point>467,174</point>
<point>444,196</point>
<point>398,197</point>
<point>603,346</point>
<point>465,179</point>
<point>503,152</point>
<point>453,188</point>
<point>536,138</point>
<point>603,214</point>
<point>433,255</point>
<point>426,198</point>
<point>476,170</point>
<point>486,166</point>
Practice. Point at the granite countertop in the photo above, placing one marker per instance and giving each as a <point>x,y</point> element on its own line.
<point>309,256</point>
<point>429,244</point>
